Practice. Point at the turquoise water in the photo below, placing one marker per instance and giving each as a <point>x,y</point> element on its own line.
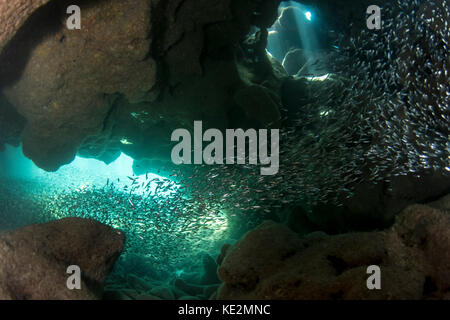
<point>163,224</point>
<point>349,115</point>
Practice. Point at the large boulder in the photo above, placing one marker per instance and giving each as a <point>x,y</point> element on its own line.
<point>136,71</point>
<point>61,80</point>
<point>13,14</point>
<point>35,259</point>
<point>273,262</point>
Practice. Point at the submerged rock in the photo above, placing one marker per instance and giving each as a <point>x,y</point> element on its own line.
<point>61,80</point>
<point>191,289</point>
<point>136,71</point>
<point>210,271</point>
<point>34,259</point>
<point>294,61</point>
<point>163,293</point>
<point>413,256</point>
<point>13,14</point>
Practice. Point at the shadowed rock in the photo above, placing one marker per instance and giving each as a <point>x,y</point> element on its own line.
<point>13,14</point>
<point>34,259</point>
<point>414,257</point>
<point>137,69</point>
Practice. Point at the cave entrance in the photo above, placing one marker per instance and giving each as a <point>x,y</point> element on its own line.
<point>165,226</point>
<point>299,39</point>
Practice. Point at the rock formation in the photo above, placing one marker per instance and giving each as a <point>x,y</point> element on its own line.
<point>135,71</point>
<point>273,262</point>
<point>34,259</point>
<point>12,16</point>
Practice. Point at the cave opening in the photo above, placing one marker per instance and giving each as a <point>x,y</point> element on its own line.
<point>299,39</point>
<point>151,209</point>
<point>79,174</point>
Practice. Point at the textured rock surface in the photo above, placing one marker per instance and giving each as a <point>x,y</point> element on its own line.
<point>135,71</point>
<point>413,256</point>
<point>11,124</point>
<point>63,86</point>
<point>13,14</point>
<point>34,259</point>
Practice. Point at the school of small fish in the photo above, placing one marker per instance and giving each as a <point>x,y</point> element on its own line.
<point>382,112</point>
<point>159,221</point>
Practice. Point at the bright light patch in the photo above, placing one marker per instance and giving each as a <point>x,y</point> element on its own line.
<point>324,113</point>
<point>319,78</point>
<point>308,15</point>
<point>120,173</point>
<point>83,174</point>
<point>125,141</point>
<point>92,169</point>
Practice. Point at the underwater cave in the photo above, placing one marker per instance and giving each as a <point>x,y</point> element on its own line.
<point>87,122</point>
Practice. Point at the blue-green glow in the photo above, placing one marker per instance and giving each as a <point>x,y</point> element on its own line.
<point>80,174</point>
<point>308,15</point>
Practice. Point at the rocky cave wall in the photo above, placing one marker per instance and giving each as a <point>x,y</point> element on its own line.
<point>135,71</point>
<point>12,16</point>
